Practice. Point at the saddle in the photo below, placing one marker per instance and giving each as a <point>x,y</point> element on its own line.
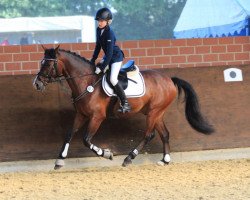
<point>123,77</point>
<point>129,77</point>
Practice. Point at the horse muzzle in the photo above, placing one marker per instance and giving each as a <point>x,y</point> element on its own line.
<point>38,84</point>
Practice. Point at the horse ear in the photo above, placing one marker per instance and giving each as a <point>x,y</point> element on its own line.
<point>57,48</point>
<point>44,48</point>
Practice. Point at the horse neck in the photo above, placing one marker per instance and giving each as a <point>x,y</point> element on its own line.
<point>76,70</point>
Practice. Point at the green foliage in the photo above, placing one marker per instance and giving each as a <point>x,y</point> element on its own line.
<point>140,19</point>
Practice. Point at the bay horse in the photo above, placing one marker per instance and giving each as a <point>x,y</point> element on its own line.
<point>91,105</point>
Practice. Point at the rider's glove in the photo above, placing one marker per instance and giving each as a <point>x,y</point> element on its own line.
<point>98,70</point>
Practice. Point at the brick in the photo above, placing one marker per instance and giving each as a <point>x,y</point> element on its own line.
<point>210,41</point>
<point>154,66</point>
<point>1,49</point>
<point>12,49</point>
<point>194,42</point>
<point>170,51</point>
<point>12,66</point>
<point>88,54</point>
<point>146,43</point>
<point>126,53</point>
<point>241,40</point>
<point>218,63</point>
<point>226,57</point>
<point>91,46</point>
<point>178,59</point>
<point>29,48</point>
<point>234,48</point>
<point>162,60</point>
<point>154,51</point>
<point>194,58</point>
<point>5,57</point>
<point>146,61</point>
<point>233,63</point>
<point>21,72</point>
<point>79,46</point>
<point>218,49</point>
<point>21,57</point>
<point>202,49</point>
<point>246,47</point>
<point>162,43</point>
<point>30,65</point>
<point>66,46</point>
<point>178,42</point>
<point>186,50</point>
<point>226,40</point>
<point>246,62</point>
<point>185,65</point>
<point>5,73</point>
<point>138,52</point>
<point>241,56</point>
<point>1,67</point>
<point>210,57</point>
<point>130,44</point>
<point>170,66</point>
<point>203,64</point>
<point>36,56</point>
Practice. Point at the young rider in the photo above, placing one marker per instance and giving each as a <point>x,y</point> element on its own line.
<point>105,40</point>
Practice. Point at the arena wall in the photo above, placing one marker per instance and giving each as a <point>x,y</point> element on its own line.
<point>33,124</point>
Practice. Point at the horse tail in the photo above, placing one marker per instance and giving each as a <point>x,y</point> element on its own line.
<point>192,109</point>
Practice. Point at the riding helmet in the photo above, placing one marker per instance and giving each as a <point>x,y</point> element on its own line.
<point>104,14</point>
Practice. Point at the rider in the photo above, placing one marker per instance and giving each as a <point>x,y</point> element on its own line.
<point>105,39</point>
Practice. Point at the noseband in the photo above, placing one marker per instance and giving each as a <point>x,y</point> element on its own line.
<point>49,74</point>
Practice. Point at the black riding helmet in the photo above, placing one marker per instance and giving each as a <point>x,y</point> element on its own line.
<point>104,14</point>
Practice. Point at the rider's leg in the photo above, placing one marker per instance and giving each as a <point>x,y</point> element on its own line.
<point>115,68</point>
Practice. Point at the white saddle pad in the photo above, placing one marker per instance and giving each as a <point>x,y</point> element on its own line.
<point>134,89</point>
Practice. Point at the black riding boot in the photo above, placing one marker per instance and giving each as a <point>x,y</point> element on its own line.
<point>125,107</point>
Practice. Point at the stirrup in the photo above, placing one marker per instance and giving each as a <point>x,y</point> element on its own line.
<point>124,108</point>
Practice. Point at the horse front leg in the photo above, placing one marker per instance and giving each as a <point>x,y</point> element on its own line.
<point>93,126</point>
<point>78,123</point>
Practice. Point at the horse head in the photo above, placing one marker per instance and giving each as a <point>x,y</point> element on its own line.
<point>49,70</point>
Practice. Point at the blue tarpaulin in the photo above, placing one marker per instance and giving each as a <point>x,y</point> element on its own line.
<point>213,18</point>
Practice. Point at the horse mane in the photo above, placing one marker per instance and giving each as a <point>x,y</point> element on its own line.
<point>76,55</point>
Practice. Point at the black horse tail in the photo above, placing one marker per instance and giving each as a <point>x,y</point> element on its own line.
<point>192,109</point>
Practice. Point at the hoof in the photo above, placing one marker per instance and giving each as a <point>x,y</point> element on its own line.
<point>59,164</point>
<point>108,154</point>
<point>162,163</point>
<point>58,167</point>
<point>127,161</point>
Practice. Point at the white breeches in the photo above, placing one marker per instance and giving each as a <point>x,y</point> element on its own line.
<point>115,68</point>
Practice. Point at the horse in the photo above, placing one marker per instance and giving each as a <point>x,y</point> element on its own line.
<point>91,102</point>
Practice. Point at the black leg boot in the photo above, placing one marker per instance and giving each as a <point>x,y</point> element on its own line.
<point>125,107</point>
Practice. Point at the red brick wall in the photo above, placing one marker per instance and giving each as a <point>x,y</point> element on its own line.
<point>15,60</point>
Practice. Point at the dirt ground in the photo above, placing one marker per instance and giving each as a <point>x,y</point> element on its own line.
<point>217,180</point>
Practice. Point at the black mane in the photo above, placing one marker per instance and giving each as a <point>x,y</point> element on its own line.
<point>75,55</point>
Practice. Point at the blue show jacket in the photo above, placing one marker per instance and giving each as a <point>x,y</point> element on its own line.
<point>106,41</point>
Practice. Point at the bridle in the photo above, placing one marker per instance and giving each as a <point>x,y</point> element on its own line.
<point>60,77</point>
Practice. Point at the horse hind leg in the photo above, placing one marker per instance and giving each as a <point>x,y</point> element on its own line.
<point>128,160</point>
<point>164,134</point>
<point>148,136</point>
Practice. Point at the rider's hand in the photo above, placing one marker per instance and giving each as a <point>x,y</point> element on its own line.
<point>98,70</point>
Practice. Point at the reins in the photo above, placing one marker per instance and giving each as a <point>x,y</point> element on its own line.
<point>61,77</point>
